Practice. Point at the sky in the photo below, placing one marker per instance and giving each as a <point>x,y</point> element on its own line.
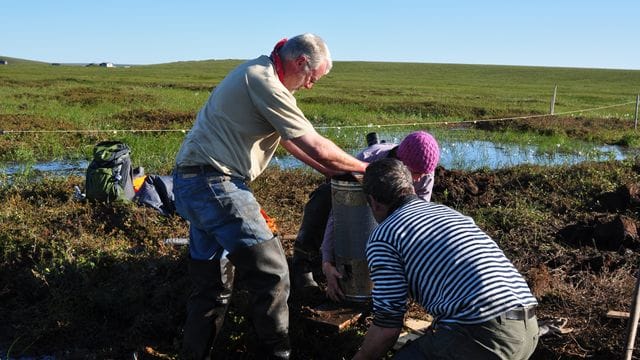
<point>557,33</point>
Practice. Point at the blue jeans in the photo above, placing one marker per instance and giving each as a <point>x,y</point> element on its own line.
<point>225,219</point>
<point>222,211</point>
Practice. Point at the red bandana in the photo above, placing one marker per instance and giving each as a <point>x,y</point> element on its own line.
<point>275,57</point>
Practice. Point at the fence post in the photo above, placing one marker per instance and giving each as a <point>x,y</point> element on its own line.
<point>635,126</point>
<point>553,100</point>
<point>633,320</point>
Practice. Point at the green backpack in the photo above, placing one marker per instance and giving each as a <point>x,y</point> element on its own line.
<point>110,174</point>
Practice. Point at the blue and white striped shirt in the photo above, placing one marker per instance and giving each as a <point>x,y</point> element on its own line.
<point>443,260</point>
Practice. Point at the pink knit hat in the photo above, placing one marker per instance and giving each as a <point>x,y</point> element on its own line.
<point>419,151</point>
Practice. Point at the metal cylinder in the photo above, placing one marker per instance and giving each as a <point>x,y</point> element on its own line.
<point>353,222</point>
<point>372,138</point>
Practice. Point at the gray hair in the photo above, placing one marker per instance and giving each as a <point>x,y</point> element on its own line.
<point>389,182</point>
<point>311,46</point>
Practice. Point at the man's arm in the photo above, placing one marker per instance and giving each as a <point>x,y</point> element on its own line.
<point>294,150</point>
<point>323,152</point>
<point>377,342</point>
<point>389,297</point>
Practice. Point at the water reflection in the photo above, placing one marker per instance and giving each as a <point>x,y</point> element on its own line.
<point>60,168</point>
<point>473,155</point>
<point>463,155</point>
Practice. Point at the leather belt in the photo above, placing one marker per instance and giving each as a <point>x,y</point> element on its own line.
<point>197,169</point>
<point>520,313</point>
<point>208,170</point>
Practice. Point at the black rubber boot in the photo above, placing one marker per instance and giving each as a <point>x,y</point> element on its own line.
<point>207,305</point>
<point>263,270</point>
<point>307,245</point>
<point>301,271</point>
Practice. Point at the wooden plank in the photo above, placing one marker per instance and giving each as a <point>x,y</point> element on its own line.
<point>416,326</point>
<point>332,317</point>
<point>617,314</point>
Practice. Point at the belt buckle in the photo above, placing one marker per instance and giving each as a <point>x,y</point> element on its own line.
<point>520,313</point>
<point>530,312</point>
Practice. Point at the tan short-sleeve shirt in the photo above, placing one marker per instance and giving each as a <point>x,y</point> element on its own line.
<point>238,130</point>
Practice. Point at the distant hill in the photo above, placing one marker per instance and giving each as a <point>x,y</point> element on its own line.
<point>13,61</point>
<point>358,63</point>
<point>19,61</point>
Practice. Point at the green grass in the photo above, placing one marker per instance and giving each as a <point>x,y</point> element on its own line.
<point>77,100</point>
<point>96,281</point>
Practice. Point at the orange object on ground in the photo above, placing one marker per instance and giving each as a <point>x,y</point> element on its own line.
<point>270,222</point>
<point>137,182</point>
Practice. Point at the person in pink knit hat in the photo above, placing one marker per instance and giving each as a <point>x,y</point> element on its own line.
<point>419,151</point>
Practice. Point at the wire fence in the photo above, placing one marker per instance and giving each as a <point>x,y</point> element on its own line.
<point>337,127</point>
<point>473,121</point>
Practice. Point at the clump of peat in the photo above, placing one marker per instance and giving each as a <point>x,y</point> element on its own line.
<point>84,281</point>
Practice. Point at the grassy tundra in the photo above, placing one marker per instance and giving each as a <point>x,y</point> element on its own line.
<point>83,281</point>
<point>77,100</point>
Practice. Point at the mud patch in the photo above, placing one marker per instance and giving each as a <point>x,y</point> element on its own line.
<point>13,143</point>
<point>424,109</point>
<point>582,128</point>
<point>21,122</point>
<point>609,232</point>
<point>90,96</point>
<point>190,87</point>
<point>156,119</point>
<point>462,187</point>
<point>625,197</point>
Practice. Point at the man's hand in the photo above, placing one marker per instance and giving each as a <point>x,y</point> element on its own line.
<point>377,342</point>
<point>334,292</point>
<point>358,176</point>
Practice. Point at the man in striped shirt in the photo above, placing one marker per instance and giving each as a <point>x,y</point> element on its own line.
<point>482,306</point>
